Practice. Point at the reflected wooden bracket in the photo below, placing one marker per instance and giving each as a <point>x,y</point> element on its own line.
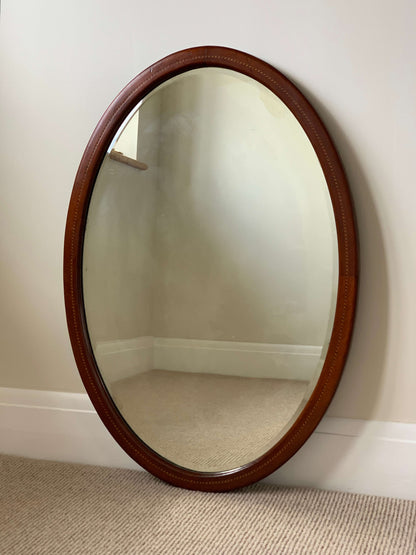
<point>119,157</point>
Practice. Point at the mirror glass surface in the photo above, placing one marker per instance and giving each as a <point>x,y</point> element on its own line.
<point>210,269</point>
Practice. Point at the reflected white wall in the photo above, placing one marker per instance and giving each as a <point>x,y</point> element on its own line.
<point>119,240</point>
<point>245,238</point>
<point>228,236</point>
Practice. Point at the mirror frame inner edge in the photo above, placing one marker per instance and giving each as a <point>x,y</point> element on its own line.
<point>308,419</point>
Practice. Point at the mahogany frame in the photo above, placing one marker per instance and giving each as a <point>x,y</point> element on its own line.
<point>324,390</point>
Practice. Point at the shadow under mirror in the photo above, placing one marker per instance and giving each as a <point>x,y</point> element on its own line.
<point>210,269</point>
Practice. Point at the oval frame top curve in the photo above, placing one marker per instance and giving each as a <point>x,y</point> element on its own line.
<point>96,149</point>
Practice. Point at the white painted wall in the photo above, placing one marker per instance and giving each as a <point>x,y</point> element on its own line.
<point>245,236</point>
<point>61,65</point>
<point>228,236</point>
<point>119,238</point>
<point>115,271</point>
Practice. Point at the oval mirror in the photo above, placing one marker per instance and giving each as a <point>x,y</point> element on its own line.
<point>210,269</point>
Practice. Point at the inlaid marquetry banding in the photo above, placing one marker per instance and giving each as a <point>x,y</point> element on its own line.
<point>314,409</point>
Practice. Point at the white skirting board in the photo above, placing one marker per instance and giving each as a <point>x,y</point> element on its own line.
<point>369,457</point>
<point>234,358</point>
<point>123,358</point>
<point>126,357</point>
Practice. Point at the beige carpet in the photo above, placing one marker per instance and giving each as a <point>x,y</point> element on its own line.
<point>207,422</point>
<point>55,508</point>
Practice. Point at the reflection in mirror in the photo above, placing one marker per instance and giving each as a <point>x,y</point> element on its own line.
<point>210,269</point>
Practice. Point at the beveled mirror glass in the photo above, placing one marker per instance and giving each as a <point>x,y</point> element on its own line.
<point>210,269</point>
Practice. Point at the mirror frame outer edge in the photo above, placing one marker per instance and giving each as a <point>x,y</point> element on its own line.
<point>95,151</point>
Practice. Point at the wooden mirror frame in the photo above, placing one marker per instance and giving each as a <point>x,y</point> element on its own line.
<point>96,149</point>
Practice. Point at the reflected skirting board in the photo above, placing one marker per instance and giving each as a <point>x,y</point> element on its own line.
<point>124,358</point>
<point>370,457</point>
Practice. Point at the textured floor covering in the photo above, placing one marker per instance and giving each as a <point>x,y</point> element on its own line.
<point>207,422</point>
<point>56,508</point>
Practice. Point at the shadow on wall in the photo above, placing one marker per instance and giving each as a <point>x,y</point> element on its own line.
<point>360,386</point>
<point>242,233</point>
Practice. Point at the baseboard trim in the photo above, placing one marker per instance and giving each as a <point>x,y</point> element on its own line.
<point>370,457</point>
<point>234,358</point>
<point>124,358</point>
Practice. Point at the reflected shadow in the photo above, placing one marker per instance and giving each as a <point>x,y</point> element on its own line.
<point>359,391</point>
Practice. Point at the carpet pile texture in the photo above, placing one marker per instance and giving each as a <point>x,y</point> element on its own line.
<point>207,422</point>
<point>59,508</point>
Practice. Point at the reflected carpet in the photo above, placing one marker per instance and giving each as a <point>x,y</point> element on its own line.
<point>207,422</point>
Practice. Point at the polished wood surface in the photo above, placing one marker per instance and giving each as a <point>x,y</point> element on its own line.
<point>120,157</point>
<point>336,180</point>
